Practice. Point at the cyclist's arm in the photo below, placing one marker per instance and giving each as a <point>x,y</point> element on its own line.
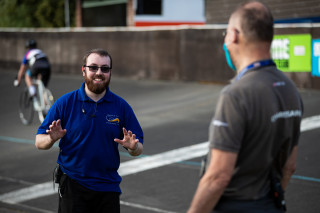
<point>21,72</point>
<point>54,133</point>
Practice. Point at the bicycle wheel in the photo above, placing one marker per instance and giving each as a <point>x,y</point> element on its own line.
<point>25,107</point>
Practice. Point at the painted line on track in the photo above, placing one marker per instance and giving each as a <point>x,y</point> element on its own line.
<point>126,168</point>
<point>139,165</point>
<point>16,140</point>
<point>21,140</point>
<point>299,177</point>
<point>139,206</point>
<point>163,159</point>
<point>310,123</point>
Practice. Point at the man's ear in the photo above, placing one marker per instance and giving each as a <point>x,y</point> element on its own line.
<point>83,71</point>
<point>234,37</point>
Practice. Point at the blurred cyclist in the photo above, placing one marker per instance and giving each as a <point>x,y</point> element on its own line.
<point>38,64</point>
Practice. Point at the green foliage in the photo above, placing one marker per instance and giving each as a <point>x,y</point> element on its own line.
<point>35,13</point>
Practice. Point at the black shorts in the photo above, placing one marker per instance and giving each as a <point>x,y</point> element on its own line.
<point>41,66</point>
<point>75,198</point>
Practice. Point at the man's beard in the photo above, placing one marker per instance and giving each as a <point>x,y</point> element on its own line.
<point>94,87</point>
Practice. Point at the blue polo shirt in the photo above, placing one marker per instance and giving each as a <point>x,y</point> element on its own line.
<point>88,153</point>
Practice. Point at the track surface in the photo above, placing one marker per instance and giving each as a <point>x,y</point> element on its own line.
<point>173,115</point>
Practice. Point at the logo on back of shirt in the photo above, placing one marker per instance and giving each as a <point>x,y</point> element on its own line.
<point>286,114</point>
<point>113,119</point>
<point>279,84</point>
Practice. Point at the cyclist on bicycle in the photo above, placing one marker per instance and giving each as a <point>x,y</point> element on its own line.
<point>38,64</point>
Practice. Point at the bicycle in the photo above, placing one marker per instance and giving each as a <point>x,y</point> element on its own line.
<point>40,103</point>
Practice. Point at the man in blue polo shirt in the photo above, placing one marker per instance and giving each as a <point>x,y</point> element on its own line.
<point>90,123</point>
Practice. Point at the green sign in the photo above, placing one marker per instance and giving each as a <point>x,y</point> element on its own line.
<point>292,53</point>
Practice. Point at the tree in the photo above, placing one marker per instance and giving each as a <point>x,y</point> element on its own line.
<point>34,13</point>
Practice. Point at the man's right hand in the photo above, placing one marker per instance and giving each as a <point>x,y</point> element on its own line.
<point>55,131</point>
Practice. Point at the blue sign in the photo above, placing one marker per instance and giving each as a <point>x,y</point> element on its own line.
<point>315,58</point>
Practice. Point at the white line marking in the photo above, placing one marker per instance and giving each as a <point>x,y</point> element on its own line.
<point>28,193</point>
<point>310,123</point>
<point>137,165</point>
<point>138,206</point>
<point>13,180</point>
<point>162,159</point>
<point>126,168</point>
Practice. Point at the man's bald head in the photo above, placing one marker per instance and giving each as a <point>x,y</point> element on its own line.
<point>255,20</point>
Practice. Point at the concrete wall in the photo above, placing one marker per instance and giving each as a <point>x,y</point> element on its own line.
<point>166,53</point>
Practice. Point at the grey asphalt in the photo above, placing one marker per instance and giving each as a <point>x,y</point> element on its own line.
<point>172,115</point>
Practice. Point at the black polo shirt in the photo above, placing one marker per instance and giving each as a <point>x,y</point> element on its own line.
<point>258,117</point>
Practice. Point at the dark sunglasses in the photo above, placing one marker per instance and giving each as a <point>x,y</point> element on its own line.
<point>96,68</point>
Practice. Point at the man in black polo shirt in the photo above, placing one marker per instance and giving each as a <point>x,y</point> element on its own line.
<point>255,130</point>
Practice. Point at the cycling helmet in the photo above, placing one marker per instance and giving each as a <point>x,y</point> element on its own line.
<point>31,44</point>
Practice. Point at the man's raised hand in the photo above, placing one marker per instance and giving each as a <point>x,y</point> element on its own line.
<point>129,140</point>
<point>55,131</point>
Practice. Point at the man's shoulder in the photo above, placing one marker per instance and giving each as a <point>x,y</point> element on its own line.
<point>68,96</point>
<point>263,78</point>
<point>116,98</point>
<point>236,87</point>
<point>119,101</point>
<point>250,83</point>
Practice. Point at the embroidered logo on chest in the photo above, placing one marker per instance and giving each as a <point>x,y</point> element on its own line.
<point>113,119</point>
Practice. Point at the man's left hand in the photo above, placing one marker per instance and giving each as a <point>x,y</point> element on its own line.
<point>129,140</point>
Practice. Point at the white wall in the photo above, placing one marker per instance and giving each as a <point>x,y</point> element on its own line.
<point>178,11</point>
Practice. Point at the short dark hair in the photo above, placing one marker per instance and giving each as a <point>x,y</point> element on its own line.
<point>98,51</point>
<point>256,23</point>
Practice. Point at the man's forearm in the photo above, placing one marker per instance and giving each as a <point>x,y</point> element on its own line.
<point>289,168</point>
<point>214,181</point>
<point>44,141</point>
<point>207,195</point>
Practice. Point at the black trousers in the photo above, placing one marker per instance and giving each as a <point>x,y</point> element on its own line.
<point>75,198</point>
<point>264,205</point>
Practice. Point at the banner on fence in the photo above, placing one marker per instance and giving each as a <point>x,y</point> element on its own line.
<point>292,53</point>
<point>316,57</point>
